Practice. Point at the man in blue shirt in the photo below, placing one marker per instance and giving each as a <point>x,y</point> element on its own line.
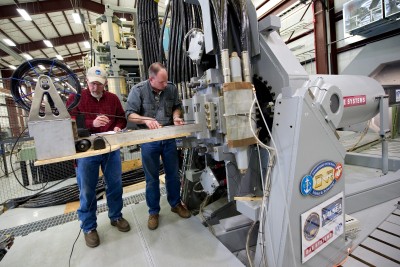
<point>152,104</point>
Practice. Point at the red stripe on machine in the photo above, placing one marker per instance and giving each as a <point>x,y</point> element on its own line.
<point>355,100</point>
<point>317,244</point>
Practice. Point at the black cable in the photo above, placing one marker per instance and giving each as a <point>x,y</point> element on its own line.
<point>162,58</point>
<point>12,168</point>
<point>91,203</point>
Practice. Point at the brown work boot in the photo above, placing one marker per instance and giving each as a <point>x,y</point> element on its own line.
<point>92,239</point>
<point>121,224</point>
<point>182,211</point>
<point>152,223</point>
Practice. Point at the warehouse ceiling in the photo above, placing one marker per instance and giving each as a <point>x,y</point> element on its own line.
<point>51,20</point>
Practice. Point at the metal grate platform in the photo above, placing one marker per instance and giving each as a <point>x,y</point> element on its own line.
<point>382,247</point>
<point>25,229</point>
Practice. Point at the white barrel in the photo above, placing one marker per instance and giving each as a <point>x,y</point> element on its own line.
<point>115,83</point>
<point>105,33</point>
<point>359,96</point>
<point>236,68</point>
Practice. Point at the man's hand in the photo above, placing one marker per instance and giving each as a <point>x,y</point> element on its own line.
<point>152,124</point>
<point>100,121</point>
<point>117,129</point>
<point>178,121</point>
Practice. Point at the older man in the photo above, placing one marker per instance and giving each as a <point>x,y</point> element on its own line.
<point>152,104</point>
<point>103,112</point>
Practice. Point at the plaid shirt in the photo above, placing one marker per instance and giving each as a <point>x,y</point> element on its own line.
<point>143,101</point>
<point>108,105</point>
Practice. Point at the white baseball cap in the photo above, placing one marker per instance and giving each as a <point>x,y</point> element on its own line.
<point>96,74</point>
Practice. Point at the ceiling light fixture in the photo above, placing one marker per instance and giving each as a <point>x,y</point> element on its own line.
<point>59,57</point>
<point>48,43</point>
<point>77,18</point>
<point>41,67</point>
<point>27,56</point>
<point>86,44</point>
<point>9,42</point>
<point>13,67</point>
<point>24,14</point>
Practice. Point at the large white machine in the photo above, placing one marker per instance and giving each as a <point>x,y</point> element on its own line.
<point>296,170</point>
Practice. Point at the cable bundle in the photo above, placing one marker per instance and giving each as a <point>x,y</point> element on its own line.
<point>70,193</point>
<point>183,18</point>
<point>149,32</point>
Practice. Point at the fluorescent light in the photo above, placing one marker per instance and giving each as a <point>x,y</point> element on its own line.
<point>122,19</point>
<point>27,56</point>
<point>48,43</point>
<point>68,66</point>
<point>24,14</point>
<point>41,67</point>
<point>13,67</point>
<point>59,57</point>
<point>86,44</point>
<point>9,42</point>
<point>35,80</point>
<point>77,18</point>
<point>56,79</point>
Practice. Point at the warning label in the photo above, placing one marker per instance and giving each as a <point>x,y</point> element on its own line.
<point>356,100</point>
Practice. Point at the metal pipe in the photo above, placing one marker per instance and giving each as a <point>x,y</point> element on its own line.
<point>246,66</point>
<point>225,65</point>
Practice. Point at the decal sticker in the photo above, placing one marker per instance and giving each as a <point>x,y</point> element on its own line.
<point>311,226</point>
<point>321,178</point>
<point>321,225</point>
<point>355,100</point>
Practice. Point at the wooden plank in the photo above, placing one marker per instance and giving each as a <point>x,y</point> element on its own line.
<point>162,178</point>
<point>383,249</point>
<point>351,262</point>
<point>248,198</point>
<point>390,227</point>
<point>373,258</point>
<point>71,207</point>
<point>394,219</point>
<point>88,153</point>
<point>128,165</point>
<point>145,136</point>
<point>394,240</point>
<point>118,140</point>
<point>134,187</point>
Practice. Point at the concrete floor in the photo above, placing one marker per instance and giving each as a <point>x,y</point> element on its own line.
<point>177,242</point>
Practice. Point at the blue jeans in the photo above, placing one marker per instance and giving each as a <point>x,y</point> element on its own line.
<point>87,177</point>
<point>151,153</point>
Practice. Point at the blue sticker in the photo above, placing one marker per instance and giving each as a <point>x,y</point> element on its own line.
<point>98,72</point>
<point>321,178</point>
<point>306,185</point>
<point>311,226</point>
<point>332,211</point>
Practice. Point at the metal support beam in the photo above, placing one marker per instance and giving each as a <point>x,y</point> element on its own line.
<point>37,45</point>
<point>321,51</point>
<point>41,7</point>
<point>277,9</point>
<point>8,50</point>
<point>332,33</point>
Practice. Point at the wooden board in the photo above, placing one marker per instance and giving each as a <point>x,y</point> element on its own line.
<point>118,140</point>
<point>71,207</point>
<point>88,153</point>
<point>248,198</point>
<point>128,165</point>
<point>134,187</point>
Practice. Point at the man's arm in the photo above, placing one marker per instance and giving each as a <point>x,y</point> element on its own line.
<point>133,107</point>
<point>151,123</point>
